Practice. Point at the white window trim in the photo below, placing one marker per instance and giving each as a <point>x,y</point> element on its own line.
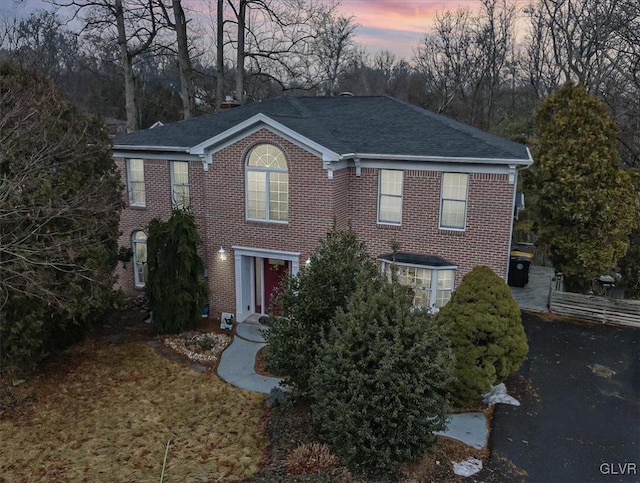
<point>267,210</point>
<point>136,279</point>
<point>174,201</point>
<point>386,265</point>
<point>129,187</point>
<point>442,200</point>
<point>401,196</point>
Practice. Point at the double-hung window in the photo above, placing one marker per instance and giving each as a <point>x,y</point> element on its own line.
<point>139,242</point>
<point>267,189</point>
<point>180,184</point>
<point>135,182</point>
<point>390,197</point>
<point>453,203</point>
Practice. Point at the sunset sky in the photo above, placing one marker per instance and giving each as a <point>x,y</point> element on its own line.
<point>397,25</point>
<point>394,25</point>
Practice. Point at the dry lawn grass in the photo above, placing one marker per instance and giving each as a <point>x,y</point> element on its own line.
<point>107,412</point>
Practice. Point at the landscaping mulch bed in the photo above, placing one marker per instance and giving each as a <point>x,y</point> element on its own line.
<point>290,432</point>
<point>289,427</point>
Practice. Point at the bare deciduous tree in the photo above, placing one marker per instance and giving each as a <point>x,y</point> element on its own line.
<point>132,24</point>
<point>179,25</point>
<point>465,60</point>
<point>219,53</point>
<point>334,47</point>
<point>594,43</point>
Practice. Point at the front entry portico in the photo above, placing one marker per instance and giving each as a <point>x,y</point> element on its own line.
<point>257,273</point>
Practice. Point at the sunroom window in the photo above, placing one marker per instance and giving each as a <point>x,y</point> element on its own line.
<point>431,278</point>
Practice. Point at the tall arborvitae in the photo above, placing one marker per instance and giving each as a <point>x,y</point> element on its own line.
<point>585,203</point>
<point>175,287</point>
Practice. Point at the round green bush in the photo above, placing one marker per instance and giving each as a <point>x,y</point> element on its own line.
<point>484,327</point>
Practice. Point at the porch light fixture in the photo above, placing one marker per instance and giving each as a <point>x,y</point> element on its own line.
<point>222,254</point>
<point>307,263</point>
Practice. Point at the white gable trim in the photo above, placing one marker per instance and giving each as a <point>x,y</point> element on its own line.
<point>254,124</point>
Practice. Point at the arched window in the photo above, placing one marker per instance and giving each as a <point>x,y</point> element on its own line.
<point>267,184</point>
<point>139,245</point>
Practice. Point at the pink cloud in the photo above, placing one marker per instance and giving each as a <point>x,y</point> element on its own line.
<point>416,15</point>
<point>399,25</point>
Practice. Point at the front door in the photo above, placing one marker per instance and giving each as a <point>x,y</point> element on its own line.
<point>274,272</point>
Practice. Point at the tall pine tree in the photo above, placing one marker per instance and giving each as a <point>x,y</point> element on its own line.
<point>585,202</point>
<point>60,202</point>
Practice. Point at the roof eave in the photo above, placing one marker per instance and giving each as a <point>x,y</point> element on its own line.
<point>141,147</point>
<point>440,159</point>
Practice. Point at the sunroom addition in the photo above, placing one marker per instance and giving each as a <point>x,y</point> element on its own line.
<point>432,278</point>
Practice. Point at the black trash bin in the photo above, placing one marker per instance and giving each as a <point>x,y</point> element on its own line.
<point>519,264</point>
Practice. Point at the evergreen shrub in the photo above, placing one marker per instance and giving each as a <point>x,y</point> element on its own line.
<point>484,326</point>
<point>307,303</point>
<point>378,391</point>
<point>175,288</point>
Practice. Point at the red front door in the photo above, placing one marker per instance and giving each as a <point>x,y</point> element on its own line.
<point>274,272</point>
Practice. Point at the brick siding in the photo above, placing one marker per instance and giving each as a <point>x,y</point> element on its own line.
<point>315,202</point>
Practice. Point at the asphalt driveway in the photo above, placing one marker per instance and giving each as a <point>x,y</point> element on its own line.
<point>579,419</point>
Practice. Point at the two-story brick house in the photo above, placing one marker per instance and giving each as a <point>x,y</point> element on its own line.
<point>267,181</point>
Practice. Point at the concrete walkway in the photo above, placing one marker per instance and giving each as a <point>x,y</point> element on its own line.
<point>470,428</point>
<point>534,297</point>
<point>237,367</point>
<point>237,363</point>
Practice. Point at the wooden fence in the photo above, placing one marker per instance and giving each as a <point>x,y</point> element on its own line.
<point>595,308</point>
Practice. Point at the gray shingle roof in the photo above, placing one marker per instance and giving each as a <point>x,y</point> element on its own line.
<point>364,125</point>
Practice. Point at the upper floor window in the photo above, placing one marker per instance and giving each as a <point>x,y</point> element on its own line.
<point>390,196</point>
<point>180,184</point>
<point>139,242</point>
<point>453,204</point>
<point>135,182</point>
<point>267,184</point>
